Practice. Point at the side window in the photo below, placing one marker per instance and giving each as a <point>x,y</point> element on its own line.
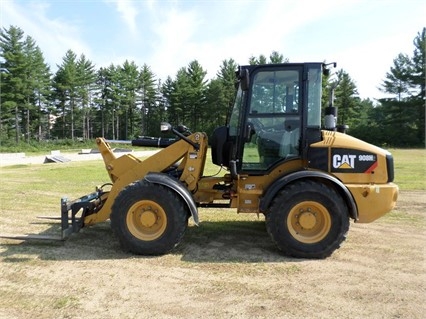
<point>274,118</point>
<point>235,120</point>
<point>314,96</point>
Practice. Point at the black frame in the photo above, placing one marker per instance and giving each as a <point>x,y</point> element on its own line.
<point>302,112</point>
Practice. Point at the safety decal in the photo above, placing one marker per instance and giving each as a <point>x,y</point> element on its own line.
<point>352,161</point>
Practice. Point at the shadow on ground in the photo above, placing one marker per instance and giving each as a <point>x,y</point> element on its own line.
<point>218,241</point>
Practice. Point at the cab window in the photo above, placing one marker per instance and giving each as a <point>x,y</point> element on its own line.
<point>274,119</point>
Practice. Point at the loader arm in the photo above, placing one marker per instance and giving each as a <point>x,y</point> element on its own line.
<point>127,169</point>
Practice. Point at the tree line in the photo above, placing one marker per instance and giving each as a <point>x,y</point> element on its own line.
<point>125,101</point>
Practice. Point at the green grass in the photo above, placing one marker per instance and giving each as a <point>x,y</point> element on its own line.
<point>410,168</point>
<point>40,187</point>
<point>37,189</point>
<point>235,247</point>
<point>398,217</point>
<point>79,178</point>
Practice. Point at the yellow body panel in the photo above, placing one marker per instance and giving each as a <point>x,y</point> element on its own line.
<point>251,188</point>
<point>247,189</point>
<point>333,140</point>
<point>373,200</point>
<point>128,169</point>
<point>373,195</point>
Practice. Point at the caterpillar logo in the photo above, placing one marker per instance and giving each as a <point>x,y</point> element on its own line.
<point>352,161</point>
<point>344,161</point>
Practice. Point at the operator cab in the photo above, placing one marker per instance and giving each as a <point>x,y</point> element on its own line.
<point>276,115</point>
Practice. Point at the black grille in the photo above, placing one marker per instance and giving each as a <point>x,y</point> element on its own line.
<point>389,164</point>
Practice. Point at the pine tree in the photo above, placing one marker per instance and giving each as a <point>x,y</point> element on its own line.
<point>217,106</point>
<point>149,107</point>
<point>418,80</point>
<point>257,60</point>
<point>66,84</point>
<point>42,95</point>
<point>101,100</point>
<point>108,99</point>
<point>274,57</point>
<point>228,79</point>
<point>179,98</point>
<point>25,84</point>
<point>166,99</point>
<point>404,110</point>
<point>196,103</point>
<point>129,84</point>
<point>13,80</point>
<point>347,100</point>
<point>86,91</point>
<point>114,99</point>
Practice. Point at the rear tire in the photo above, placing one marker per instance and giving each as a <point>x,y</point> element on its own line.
<point>148,219</point>
<point>308,219</point>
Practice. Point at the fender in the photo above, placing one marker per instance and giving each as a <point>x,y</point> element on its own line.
<point>280,183</point>
<point>175,185</point>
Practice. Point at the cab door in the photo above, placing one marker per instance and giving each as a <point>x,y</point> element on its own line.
<point>273,117</point>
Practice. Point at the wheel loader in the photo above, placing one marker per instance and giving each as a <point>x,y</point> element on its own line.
<point>307,181</point>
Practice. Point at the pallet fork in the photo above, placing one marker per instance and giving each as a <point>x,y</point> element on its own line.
<point>71,220</point>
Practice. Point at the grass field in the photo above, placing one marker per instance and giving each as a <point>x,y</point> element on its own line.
<point>31,190</point>
<point>40,187</point>
<point>226,268</point>
<point>410,168</point>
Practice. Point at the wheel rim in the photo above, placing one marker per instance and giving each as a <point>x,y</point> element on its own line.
<point>146,220</point>
<point>309,222</point>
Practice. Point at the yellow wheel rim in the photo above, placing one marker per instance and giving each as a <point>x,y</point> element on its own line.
<point>309,222</point>
<point>146,220</point>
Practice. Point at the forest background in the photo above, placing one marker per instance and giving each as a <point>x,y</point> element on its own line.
<point>122,102</point>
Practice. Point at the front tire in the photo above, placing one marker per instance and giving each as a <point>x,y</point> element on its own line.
<point>308,219</point>
<point>148,219</point>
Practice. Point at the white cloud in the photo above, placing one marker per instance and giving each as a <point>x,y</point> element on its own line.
<point>368,63</point>
<point>53,36</point>
<point>173,46</point>
<point>128,12</point>
<point>187,33</point>
<point>168,35</point>
<point>254,28</point>
<point>370,54</point>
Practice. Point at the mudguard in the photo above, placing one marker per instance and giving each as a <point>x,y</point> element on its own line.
<point>175,185</point>
<point>280,183</point>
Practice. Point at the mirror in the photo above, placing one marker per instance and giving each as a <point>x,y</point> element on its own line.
<point>326,69</point>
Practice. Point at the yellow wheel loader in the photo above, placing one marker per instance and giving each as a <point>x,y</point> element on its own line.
<point>308,182</point>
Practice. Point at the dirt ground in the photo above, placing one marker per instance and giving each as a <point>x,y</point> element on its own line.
<point>226,269</point>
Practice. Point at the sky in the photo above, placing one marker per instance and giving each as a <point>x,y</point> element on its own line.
<point>363,37</point>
